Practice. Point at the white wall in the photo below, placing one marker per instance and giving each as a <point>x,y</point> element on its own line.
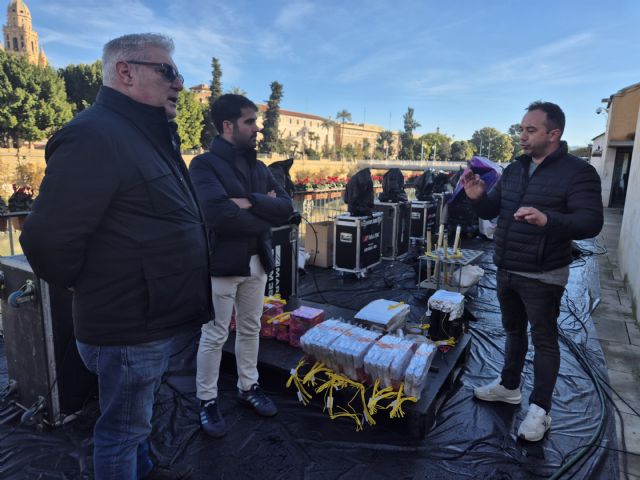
<point>629,244</point>
<point>606,173</point>
<point>597,161</point>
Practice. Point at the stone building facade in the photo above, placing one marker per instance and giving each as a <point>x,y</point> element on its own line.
<point>19,36</point>
<point>312,131</point>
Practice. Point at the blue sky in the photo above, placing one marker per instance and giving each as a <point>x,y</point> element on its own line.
<point>462,65</point>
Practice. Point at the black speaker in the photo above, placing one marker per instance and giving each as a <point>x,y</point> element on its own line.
<point>283,279</point>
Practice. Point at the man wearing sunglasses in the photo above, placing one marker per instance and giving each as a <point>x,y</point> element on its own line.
<point>545,199</point>
<point>117,222</point>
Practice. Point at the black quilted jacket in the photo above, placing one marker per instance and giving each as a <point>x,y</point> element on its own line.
<point>565,188</point>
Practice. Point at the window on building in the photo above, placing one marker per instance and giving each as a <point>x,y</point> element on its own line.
<point>15,44</point>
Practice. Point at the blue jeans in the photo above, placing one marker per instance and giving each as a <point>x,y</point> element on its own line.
<point>529,301</point>
<point>128,379</point>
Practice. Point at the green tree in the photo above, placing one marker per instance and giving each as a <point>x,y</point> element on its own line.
<point>366,148</point>
<point>328,124</point>
<point>208,129</point>
<point>189,120</point>
<point>349,152</point>
<point>270,132</point>
<point>216,80</point>
<point>302,133</point>
<point>237,91</point>
<point>514,133</point>
<point>33,101</point>
<point>461,151</point>
<point>314,138</point>
<point>439,146</point>
<point>493,144</point>
<point>406,138</point>
<point>384,143</point>
<point>82,83</point>
<point>344,116</point>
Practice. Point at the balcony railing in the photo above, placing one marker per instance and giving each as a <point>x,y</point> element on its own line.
<point>10,226</point>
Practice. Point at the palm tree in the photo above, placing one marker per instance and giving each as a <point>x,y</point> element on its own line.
<point>302,133</point>
<point>343,115</point>
<point>313,138</point>
<point>327,124</point>
<point>237,91</point>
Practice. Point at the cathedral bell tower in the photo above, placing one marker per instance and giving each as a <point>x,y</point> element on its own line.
<point>19,36</point>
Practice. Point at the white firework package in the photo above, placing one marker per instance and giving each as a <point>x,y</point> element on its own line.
<point>388,359</point>
<point>350,350</point>
<point>415,378</point>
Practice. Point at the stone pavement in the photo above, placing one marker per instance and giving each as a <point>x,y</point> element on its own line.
<point>620,339</point>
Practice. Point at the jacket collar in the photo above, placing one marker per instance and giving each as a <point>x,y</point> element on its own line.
<point>559,153</point>
<point>136,111</point>
<point>221,148</point>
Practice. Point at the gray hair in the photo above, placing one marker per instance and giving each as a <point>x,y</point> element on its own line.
<point>130,47</point>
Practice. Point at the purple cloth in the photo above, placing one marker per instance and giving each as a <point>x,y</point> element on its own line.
<point>489,172</point>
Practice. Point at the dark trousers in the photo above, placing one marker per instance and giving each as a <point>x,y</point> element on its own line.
<point>526,300</point>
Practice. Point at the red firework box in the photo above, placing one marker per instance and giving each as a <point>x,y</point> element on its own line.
<point>281,326</point>
<point>302,319</point>
<point>273,307</point>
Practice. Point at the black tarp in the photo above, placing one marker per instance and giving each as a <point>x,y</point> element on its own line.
<point>470,439</point>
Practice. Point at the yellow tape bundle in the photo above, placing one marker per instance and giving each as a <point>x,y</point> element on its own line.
<point>325,381</point>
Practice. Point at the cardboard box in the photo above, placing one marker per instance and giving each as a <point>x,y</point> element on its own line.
<point>321,253</point>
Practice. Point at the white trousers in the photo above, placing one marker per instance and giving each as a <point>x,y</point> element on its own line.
<point>247,294</point>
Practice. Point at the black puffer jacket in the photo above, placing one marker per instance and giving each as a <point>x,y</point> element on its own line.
<point>565,188</point>
<point>117,220</point>
<point>235,232</point>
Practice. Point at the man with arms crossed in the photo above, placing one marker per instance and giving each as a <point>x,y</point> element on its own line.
<point>545,199</point>
<point>241,201</point>
<point>117,222</point>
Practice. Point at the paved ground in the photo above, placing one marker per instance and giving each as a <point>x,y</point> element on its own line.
<point>620,339</point>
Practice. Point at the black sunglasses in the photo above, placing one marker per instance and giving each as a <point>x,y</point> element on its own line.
<point>167,71</point>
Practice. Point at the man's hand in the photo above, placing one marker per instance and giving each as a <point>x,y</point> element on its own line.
<point>473,185</point>
<point>271,193</point>
<point>242,203</point>
<point>531,215</point>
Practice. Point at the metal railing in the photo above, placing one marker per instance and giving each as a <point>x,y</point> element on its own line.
<point>320,206</point>
<point>414,165</point>
<point>10,225</point>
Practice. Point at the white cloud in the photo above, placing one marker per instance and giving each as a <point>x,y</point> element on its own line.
<point>556,63</point>
<point>292,15</point>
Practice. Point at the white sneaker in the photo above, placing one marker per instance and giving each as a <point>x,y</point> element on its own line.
<point>535,424</point>
<point>495,392</point>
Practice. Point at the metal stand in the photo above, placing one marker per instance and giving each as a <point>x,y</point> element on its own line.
<point>440,268</point>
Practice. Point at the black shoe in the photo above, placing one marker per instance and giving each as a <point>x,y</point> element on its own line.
<point>256,398</point>
<point>163,473</point>
<point>211,420</point>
